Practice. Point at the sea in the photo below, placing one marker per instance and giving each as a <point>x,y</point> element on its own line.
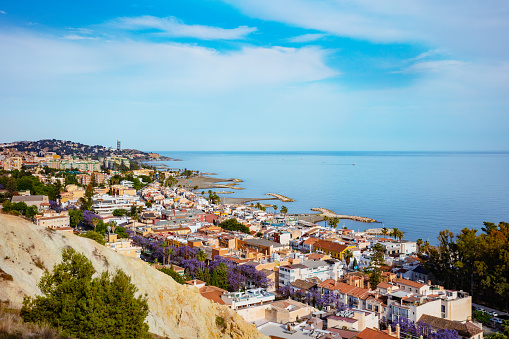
<point>421,193</point>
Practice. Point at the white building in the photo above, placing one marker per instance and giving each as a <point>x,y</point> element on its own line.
<point>105,204</point>
<point>322,269</point>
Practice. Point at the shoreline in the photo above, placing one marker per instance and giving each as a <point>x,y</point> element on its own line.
<point>204,183</point>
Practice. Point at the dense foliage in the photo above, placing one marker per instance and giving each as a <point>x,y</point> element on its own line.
<point>234,225</point>
<point>473,262</point>
<point>20,208</point>
<point>24,180</point>
<point>86,307</point>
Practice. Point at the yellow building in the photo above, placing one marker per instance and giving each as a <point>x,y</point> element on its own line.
<point>333,249</point>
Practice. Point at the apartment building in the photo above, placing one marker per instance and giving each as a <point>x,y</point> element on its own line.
<point>52,219</point>
<point>321,269</point>
<point>106,204</point>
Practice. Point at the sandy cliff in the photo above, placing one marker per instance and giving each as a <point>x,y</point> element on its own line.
<point>176,311</point>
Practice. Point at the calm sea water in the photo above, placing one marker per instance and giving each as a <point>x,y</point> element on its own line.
<point>421,193</point>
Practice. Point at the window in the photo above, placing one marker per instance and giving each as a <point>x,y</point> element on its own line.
<point>443,308</point>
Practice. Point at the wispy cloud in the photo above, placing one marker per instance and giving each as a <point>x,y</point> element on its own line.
<point>457,26</point>
<point>171,26</point>
<point>2,12</point>
<point>307,37</point>
<point>78,37</point>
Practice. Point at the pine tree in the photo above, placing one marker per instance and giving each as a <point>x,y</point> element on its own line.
<point>102,307</point>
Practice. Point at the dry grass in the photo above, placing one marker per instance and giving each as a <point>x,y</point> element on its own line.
<point>12,327</point>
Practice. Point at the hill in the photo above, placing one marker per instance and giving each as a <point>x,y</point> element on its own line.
<point>176,311</point>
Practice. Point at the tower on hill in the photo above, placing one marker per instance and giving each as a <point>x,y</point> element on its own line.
<point>118,145</point>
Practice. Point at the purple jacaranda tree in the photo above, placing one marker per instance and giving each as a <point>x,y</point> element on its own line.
<point>88,216</point>
<point>2,187</point>
<point>131,233</point>
<point>55,206</point>
<point>425,330</point>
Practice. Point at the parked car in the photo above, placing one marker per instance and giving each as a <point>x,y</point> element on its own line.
<point>480,309</point>
<point>493,313</point>
<point>497,320</point>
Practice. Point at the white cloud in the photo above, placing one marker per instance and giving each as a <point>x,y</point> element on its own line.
<point>2,12</point>
<point>472,27</point>
<point>78,37</point>
<point>176,28</point>
<point>307,37</point>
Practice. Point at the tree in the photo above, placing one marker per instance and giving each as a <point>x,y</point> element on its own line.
<point>325,219</point>
<point>75,217</point>
<point>98,237</point>
<point>233,225</point>
<point>333,222</point>
<point>275,208</point>
<point>119,212</point>
<point>85,307</point>
<point>284,210</point>
<point>385,231</point>
<point>482,316</point>
<point>95,222</point>
<point>171,272</point>
<point>201,256</point>
<point>348,255</point>
<point>374,271</point>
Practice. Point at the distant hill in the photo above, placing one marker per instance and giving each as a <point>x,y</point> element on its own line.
<point>63,147</point>
<point>176,311</point>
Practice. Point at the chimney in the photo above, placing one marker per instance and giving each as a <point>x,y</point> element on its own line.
<point>398,331</point>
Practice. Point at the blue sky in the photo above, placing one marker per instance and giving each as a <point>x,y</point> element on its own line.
<point>257,74</point>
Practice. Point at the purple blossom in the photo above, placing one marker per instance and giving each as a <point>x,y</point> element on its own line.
<point>88,216</point>
<point>55,206</point>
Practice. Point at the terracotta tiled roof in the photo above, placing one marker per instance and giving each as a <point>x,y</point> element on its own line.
<point>409,283</point>
<point>369,333</point>
<point>465,330</point>
<point>384,285</point>
<point>310,241</point>
<point>330,246</point>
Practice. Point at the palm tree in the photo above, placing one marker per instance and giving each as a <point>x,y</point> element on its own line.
<point>95,222</point>
<point>258,205</point>
<point>113,226</point>
<point>275,208</point>
<point>284,210</point>
<point>201,256</point>
<point>385,231</point>
<point>347,256</point>
<point>325,219</point>
<point>419,244</point>
<point>401,235</point>
<point>170,252</point>
<point>333,222</point>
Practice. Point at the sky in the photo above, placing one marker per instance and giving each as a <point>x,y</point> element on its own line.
<point>257,75</point>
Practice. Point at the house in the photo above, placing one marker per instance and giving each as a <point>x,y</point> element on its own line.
<point>321,269</point>
<point>31,200</point>
<point>412,286</point>
<point>335,250</point>
<point>52,219</point>
<point>466,330</point>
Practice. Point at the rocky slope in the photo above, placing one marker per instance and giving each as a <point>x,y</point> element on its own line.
<point>176,311</point>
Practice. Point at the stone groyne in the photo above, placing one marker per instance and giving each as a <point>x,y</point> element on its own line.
<point>330,214</point>
<point>280,197</point>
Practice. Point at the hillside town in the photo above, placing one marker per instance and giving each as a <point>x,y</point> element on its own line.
<point>288,277</point>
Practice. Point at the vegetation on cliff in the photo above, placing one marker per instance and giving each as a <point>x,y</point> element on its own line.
<point>84,307</point>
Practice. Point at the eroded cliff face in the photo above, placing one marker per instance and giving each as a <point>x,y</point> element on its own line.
<point>176,311</point>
